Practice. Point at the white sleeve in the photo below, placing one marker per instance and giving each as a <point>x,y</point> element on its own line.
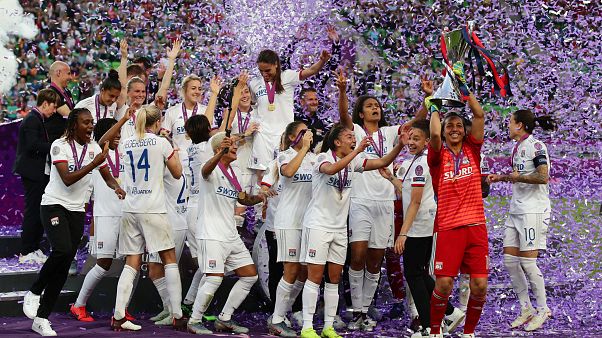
<point>291,78</point>
<point>322,158</point>
<point>166,149</point>
<point>167,123</point>
<point>270,177</point>
<point>359,163</point>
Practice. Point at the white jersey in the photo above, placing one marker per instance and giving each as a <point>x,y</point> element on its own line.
<point>329,207</point>
<point>271,179</point>
<point>176,194</point>
<point>371,185</point>
<point>174,122</point>
<point>530,198</point>
<point>75,196</point>
<point>106,202</point>
<point>244,149</point>
<point>197,155</point>
<point>144,161</point>
<point>217,201</point>
<point>274,122</point>
<point>98,110</point>
<point>296,191</point>
<point>129,128</point>
<point>415,173</point>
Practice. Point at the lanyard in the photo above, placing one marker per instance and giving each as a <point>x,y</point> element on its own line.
<point>379,150</point>
<point>80,160</point>
<point>457,160</point>
<point>242,126</point>
<point>298,138</point>
<point>97,104</point>
<point>114,166</point>
<point>185,112</point>
<point>65,94</point>
<point>524,137</point>
<point>231,176</point>
<point>342,177</point>
<point>271,91</point>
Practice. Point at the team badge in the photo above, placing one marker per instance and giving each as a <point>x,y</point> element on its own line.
<point>99,244</point>
<point>54,221</point>
<point>312,253</point>
<point>522,153</point>
<point>465,160</point>
<point>438,265</point>
<point>56,150</point>
<point>91,154</point>
<point>538,146</point>
<point>292,252</point>
<point>419,171</point>
<point>212,263</point>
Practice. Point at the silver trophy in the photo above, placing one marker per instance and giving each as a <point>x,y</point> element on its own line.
<point>448,94</point>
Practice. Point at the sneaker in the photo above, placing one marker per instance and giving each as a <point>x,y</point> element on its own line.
<point>374,313</point>
<point>526,315</point>
<point>30,258</point>
<point>197,327</point>
<point>339,324</point>
<point>329,332</point>
<point>229,326</point>
<point>123,325</point>
<point>160,316</point>
<point>42,327</point>
<point>31,303</point>
<point>297,319</point>
<point>128,316</point>
<point>454,319</point>
<point>187,310</point>
<point>165,321</point>
<point>180,324</point>
<point>356,323</point>
<point>41,256</point>
<point>288,322</point>
<point>80,313</point>
<point>309,333</point>
<point>537,321</point>
<point>422,333</point>
<point>368,324</point>
<point>280,329</point>
<point>73,268</point>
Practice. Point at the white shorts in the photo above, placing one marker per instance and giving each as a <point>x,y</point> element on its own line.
<point>319,247</point>
<point>372,222</point>
<point>222,257</point>
<point>191,219</point>
<point>527,231</point>
<point>106,235</point>
<point>138,231</point>
<point>289,245</point>
<point>179,238</point>
<point>263,149</point>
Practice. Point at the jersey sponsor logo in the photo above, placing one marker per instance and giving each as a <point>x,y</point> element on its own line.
<point>419,171</point>
<point>136,191</point>
<point>464,172</point>
<point>334,182</point>
<point>419,179</point>
<point>302,178</point>
<point>212,263</point>
<point>371,151</point>
<point>223,191</point>
<point>540,152</point>
<point>180,130</point>
<point>312,253</point>
<point>261,92</point>
<point>438,265</point>
<point>54,221</point>
<point>292,252</point>
<point>99,244</point>
<point>133,143</point>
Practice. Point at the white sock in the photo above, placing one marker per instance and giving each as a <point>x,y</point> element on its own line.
<point>410,302</point>
<point>174,289</point>
<point>356,284</point>
<point>535,277</point>
<point>310,298</point>
<point>124,290</point>
<point>239,292</point>
<point>92,278</point>
<point>283,295</point>
<point>331,301</point>
<point>194,287</point>
<point>518,279</point>
<point>370,285</point>
<point>161,287</point>
<point>205,296</point>
<point>297,288</point>
<point>464,292</point>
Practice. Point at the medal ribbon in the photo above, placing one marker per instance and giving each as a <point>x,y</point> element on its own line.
<point>65,94</point>
<point>342,177</point>
<point>298,138</point>
<point>271,91</point>
<point>114,166</point>
<point>185,113</point>
<point>80,160</point>
<point>242,126</point>
<point>515,149</point>
<point>231,176</point>
<point>97,104</point>
<point>379,151</point>
<point>457,161</point>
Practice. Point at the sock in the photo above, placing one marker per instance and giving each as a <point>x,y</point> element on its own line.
<point>464,292</point>
<point>239,292</point>
<point>370,285</point>
<point>356,284</point>
<point>161,287</point>
<point>92,278</point>
<point>134,286</point>
<point>331,302</point>
<point>205,296</point>
<point>410,302</point>
<point>310,298</point>
<point>535,277</point>
<point>174,289</point>
<point>283,295</point>
<point>124,290</point>
<point>438,307</point>
<point>519,280</point>
<point>194,287</point>
<point>473,313</point>
<point>297,288</point>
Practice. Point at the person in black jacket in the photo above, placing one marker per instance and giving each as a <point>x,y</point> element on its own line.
<point>32,149</point>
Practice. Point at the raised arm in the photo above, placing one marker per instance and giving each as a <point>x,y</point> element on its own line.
<point>345,119</point>
<point>212,163</point>
<point>215,85</point>
<point>289,169</point>
<point>242,83</point>
<point>70,178</point>
<point>112,132</point>
<point>384,161</point>
<point>122,70</point>
<point>172,54</point>
<point>478,120</point>
<point>435,125</point>
<point>316,67</point>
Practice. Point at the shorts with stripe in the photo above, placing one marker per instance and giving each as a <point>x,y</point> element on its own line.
<point>527,231</point>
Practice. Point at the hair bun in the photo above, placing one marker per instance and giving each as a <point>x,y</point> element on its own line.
<point>113,74</point>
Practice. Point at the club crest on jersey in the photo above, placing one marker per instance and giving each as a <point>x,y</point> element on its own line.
<point>212,263</point>
<point>56,150</point>
<point>91,154</point>
<point>54,221</point>
<point>312,253</point>
<point>438,265</point>
<point>419,171</point>
<point>522,153</point>
<point>465,160</point>
<point>292,252</point>
<point>99,244</point>
<point>538,146</point>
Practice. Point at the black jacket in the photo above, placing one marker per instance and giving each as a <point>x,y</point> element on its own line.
<point>32,148</point>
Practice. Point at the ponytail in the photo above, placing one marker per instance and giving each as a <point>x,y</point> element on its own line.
<point>529,121</point>
<point>146,116</point>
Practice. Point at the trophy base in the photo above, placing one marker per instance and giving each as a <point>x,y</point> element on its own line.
<point>448,103</point>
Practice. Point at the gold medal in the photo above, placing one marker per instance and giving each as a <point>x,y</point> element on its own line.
<point>271,107</point>
<point>118,181</point>
<point>242,195</point>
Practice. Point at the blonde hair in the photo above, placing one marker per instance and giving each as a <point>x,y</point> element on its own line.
<point>216,140</point>
<point>146,116</point>
<point>133,80</point>
<point>187,80</point>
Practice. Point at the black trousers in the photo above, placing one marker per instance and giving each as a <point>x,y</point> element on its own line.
<point>64,230</point>
<point>276,269</point>
<point>32,230</point>
<point>416,258</point>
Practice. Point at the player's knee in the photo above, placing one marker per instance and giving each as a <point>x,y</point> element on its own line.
<point>478,287</point>
<point>444,285</point>
<point>104,263</point>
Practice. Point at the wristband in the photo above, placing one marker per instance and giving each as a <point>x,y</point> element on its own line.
<point>402,235</point>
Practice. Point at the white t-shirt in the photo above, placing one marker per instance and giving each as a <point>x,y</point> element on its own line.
<point>371,185</point>
<point>296,191</point>
<point>274,122</point>
<point>530,198</point>
<point>197,155</point>
<point>328,208</point>
<point>217,201</point>
<point>106,202</point>
<point>176,194</point>
<point>272,180</point>
<point>144,161</point>
<point>74,197</point>
<point>97,109</point>
<point>415,173</point>
<point>129,128</point>
<point>174,123</point>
